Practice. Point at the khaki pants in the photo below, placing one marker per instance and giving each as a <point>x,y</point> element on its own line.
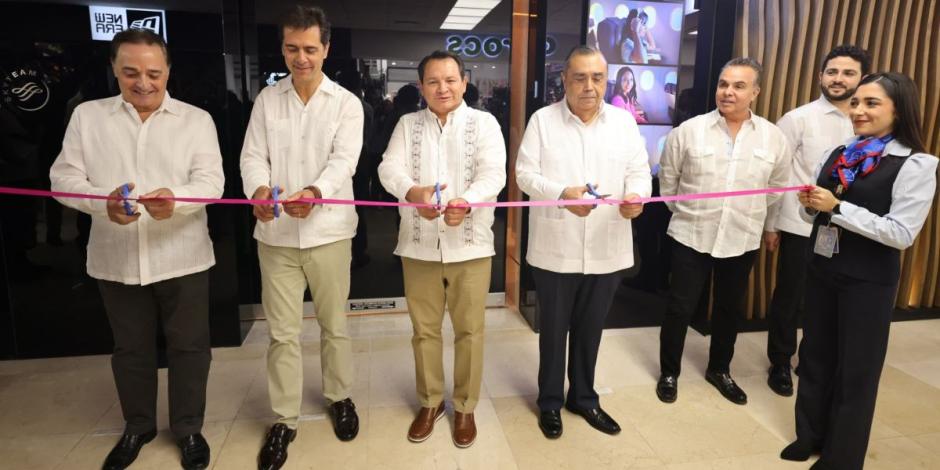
<point>285,274</point>
<point>463,286</point>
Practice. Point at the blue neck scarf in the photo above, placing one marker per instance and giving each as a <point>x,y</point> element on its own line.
<point>859,159</point>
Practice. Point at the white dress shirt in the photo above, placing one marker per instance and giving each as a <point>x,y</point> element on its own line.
<point>911,197</point>
<point>295,145</point>
<point>701,157</point>
<point>812,130</point>
<point>559,150</point>
<point>105,146</point>
<point>467,154</point>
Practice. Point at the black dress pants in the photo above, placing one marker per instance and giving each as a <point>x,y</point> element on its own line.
<point>845,340</point>
<point>690,273</point>
<point>572,310</point>
<point>787,301</point>
<point>181,305</point>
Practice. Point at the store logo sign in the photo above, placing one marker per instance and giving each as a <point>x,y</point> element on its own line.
<point>108,21</point>
<point>25,89</point>
<point>492,46</point>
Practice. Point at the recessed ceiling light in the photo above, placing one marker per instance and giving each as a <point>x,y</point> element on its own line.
<point>466,14</point>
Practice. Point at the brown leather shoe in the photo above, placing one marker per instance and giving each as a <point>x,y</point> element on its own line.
<point>465,430</point>
<point>423,425</point>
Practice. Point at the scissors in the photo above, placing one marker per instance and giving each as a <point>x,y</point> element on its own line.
<point>437,192</point>
<point>126,194</point>
<point>593,192</point>
<point>275,192</point>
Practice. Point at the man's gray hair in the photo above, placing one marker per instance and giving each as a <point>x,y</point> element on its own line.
<point>581,50</point>
<point>746,62</point>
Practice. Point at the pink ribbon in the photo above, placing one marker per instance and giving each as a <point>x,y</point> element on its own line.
<point>353,202</point>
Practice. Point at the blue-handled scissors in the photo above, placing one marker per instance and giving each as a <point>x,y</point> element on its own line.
<point>275,193</point>
<point>437,192</point>
<point>593,192</point>
<point>126,194</point>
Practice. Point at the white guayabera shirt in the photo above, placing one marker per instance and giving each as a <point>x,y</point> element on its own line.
<point>105,146</point>
<point>701,157</point>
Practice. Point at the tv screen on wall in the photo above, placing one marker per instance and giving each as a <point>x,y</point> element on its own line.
<point>647,33</point>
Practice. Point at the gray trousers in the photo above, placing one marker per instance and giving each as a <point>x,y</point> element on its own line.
<point>181,305</point>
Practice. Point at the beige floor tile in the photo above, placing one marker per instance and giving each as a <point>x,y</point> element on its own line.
<point>511,364</point>
<point>36,452</point>
<point>774,412</point>
<point>926,371</point>
<point>55,364</point>
<point>930,442</point>
<point>700,425</point>
<point>64,402</point>
<point>69,405</point>
<point>389,447</point>
<point>900,453</point>
<point>771,461</point>
<point>628,360</point>
<point>161,453</point>
<point>912,342</point>
<point>579,447</point>
<point>245,351</point>
<point>750,356</point>
<point>906,404</point>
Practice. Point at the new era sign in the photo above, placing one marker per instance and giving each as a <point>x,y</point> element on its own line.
<point>108,21</point>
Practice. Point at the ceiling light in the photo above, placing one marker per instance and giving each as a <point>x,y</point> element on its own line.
<point>466,14</point>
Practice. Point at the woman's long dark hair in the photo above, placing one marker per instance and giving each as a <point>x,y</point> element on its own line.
<point>903,92</point>
<point>630,96</point>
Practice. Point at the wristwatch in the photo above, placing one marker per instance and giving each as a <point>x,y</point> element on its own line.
<point>835,209</point>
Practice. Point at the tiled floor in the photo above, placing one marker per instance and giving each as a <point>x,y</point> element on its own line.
<point>63,413</point>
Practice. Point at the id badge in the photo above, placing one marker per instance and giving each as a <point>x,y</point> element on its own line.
<point>827,241</point>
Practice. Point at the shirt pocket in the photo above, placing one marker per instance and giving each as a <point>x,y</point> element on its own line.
<point>554,165</point>
<point>549,237</point>
<point>617,236</point>
<point>610,177</point>
<point>279,133</point>
<point>322,135</point>
<point>760,168</point>
<point>699,161</point>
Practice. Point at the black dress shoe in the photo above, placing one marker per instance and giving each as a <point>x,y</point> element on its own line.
<point>667,389</point>
<point>598,419</point>
<point>799,451</point>
<point>725,384</point>
<point>125,451</point>
<point>195,452</point>
<point>550,423</point>
<point>274,453</point>
<point>345,419</point>
<point>779,380</point>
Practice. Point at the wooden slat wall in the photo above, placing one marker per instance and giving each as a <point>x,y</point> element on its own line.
<point>790,38</point>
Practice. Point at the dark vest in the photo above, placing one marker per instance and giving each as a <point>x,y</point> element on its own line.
<point>860,257</point>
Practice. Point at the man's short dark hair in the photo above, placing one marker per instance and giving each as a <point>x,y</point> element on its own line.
<point>439,55</point>
<point>746,62</point>
<point>302,17</point>
<point>851,51</point>
<point>580,50</point>
<point>138,36</point>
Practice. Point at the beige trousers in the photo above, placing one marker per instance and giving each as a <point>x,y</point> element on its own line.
<point>463,288</point>
<point>285,275</point>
